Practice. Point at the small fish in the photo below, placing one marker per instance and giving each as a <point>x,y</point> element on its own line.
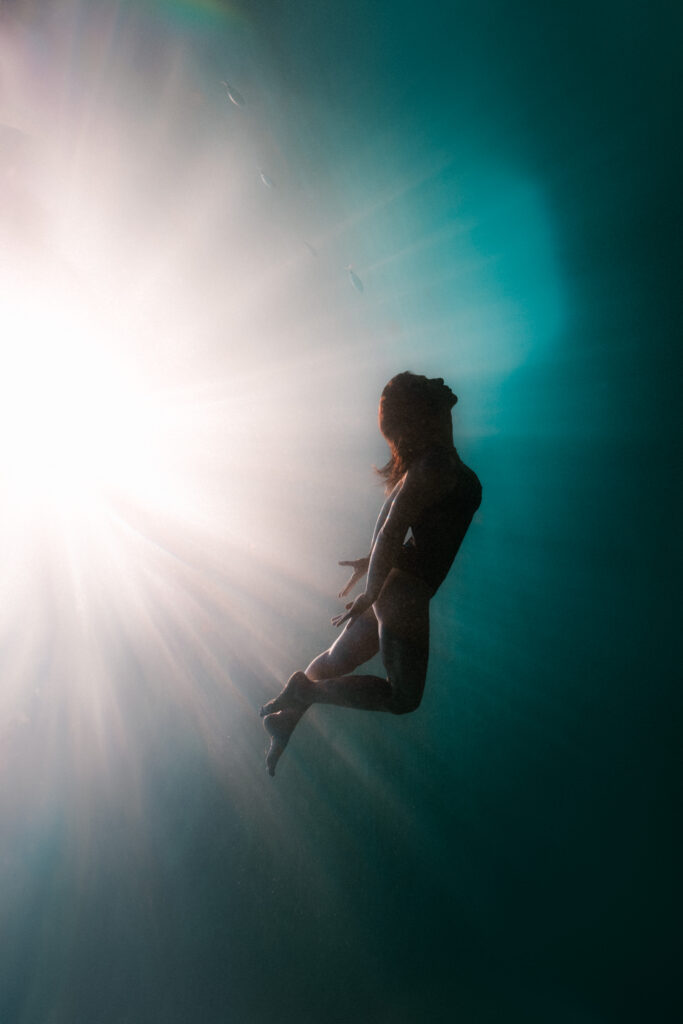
<point>266,179</point>
<point>354,279</point>
<point>234,96</point>
<point>313,252</point>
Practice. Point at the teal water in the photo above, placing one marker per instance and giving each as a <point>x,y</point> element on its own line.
<point>505,182</point>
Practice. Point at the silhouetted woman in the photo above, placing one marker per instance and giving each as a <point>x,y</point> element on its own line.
<point>432,493</point>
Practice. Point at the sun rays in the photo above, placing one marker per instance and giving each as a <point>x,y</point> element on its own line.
<point>189,384</point>
<point>154,361</point>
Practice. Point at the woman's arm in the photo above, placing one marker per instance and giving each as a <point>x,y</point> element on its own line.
<point>360,565</point>
<point>383,513</point>
<point>418,489</point>
<point>404,505</point>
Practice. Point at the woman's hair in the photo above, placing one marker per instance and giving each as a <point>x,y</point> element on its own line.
<point>407,412</point>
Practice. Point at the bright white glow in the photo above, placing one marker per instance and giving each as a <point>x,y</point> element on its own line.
<point>155,375</point>
<point>73,424</point>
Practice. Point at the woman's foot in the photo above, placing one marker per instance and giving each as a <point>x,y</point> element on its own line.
<point>289,698</point>
<point>280,725</point>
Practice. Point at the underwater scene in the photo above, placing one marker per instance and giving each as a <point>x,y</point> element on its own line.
<point>225,226</point>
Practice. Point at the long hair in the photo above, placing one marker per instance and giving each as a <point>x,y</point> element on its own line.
<point>407,412</point>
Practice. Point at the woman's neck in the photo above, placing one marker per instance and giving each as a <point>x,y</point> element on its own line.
<point>442,434</point>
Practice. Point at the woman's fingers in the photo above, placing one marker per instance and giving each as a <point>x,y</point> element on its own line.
<point>338,619</point>
<point>349,586</point>
<point>359,566</point>
<point>356,575</point>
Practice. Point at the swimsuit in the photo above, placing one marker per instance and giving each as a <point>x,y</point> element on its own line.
<point>439,532</point>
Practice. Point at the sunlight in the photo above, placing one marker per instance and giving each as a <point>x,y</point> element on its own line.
<point>73,425</point>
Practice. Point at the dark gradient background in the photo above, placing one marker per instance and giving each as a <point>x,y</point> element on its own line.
<point>505,179</point>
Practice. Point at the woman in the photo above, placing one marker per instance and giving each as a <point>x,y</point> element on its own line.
<point>432,493</point>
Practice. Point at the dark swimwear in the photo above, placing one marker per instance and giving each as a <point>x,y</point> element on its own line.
<point>439,532</point>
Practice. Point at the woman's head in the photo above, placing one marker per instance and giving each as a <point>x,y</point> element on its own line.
<point>414,412</point>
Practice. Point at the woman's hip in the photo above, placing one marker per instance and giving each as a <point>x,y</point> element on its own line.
<point>403,605</point>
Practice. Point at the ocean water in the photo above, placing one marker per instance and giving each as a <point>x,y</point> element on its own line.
<point>504,181</point>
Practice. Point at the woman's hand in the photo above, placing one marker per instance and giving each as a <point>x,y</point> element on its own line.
<point>354,610</point>
<point>360,567</point>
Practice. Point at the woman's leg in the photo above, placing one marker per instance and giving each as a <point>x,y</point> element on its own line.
<point>356,645</point>
<point>402,611</point>
<point>353,647</point>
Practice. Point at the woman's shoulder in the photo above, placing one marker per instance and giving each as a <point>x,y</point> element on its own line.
<point>440,472</point>
<point>440,461</point>
<point>436,470</point>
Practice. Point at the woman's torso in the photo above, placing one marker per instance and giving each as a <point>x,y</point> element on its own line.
<point>440,528</point>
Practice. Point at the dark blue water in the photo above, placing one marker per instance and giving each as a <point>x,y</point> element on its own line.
<point>505,182</point>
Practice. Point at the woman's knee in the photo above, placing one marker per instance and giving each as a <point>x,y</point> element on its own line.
<point>356,645</point>
<point>319,668</point>
<point>405,703</point>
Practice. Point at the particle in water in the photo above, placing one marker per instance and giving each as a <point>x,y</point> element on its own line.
<point>266,179</point>
<point>234,96</point>
<point>354,279</point>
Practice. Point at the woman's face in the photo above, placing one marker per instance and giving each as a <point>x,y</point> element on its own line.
<point>440,391</point>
